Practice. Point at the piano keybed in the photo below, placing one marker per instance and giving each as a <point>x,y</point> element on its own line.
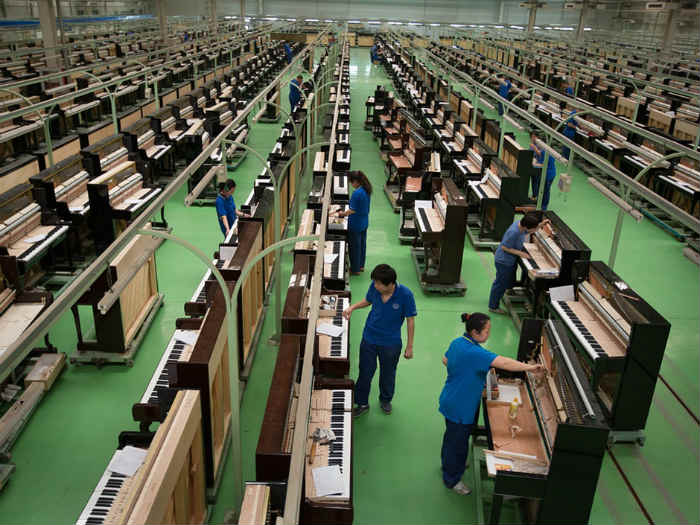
<point>107,500</point>
<point>177,350</point>
<point>335,347</point>
<point>428,219</point>
<point>331,409</point>
<point>337,224</point>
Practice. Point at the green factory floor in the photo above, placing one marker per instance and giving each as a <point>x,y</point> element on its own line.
<point>69,440</point>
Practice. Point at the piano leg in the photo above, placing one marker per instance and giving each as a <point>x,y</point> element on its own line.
<point>496,504</point>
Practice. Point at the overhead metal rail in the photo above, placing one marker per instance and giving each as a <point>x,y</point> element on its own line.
<point>219,42</point>
<point>21,347</point>
<point>623,78</point>
<point>627,125</point>
<point>626,182</point>
<point>90,89</point>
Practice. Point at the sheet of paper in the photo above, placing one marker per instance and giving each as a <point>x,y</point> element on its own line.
<point>494,464</point>
<point>227,252</point>
<point>127,460</point>
<point>329,329</point>
<point>327,480</point>
<point>506,393</point>
<point>34,239</point>
<point>189,337</point>
<point>329,258</point>
<point>562,293</point>
<point>129,202</point>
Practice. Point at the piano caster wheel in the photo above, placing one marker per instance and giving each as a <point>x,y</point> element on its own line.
<point>130,363</point>
<point>641,441</point>
<point>99,363</point>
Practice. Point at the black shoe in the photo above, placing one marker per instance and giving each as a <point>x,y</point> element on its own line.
<point>386,406</point>
<point>359,410</point>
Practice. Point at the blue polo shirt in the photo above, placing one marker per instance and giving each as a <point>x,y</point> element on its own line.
<point>359,203</point>
<point>551,166</point>
<point>504,89</point>
<point>383,325</point>
<point>513,239</point>
<point>467,366</point>
<point>569,91</point>
<point>225,207</point>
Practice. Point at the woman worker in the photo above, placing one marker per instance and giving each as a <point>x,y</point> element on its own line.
<point>467,364</point>
<point>358,213</point>
<point>569,132</point>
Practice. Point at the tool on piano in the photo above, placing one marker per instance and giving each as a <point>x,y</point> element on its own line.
<point>331,409</point>
<point>561,430</point>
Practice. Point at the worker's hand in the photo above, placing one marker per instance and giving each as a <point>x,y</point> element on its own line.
<point>537,369</point>
<point>347,313</point>
<point>408,353</point>
<point>525,255</point>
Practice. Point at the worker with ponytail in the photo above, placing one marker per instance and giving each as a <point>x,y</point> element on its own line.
<point>467,364</point>
<point>358,213</point>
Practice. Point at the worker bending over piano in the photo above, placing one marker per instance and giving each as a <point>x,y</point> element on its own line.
<point>506,258</point>
<point>358,220</point>
<point>226,207</point>
<point>381,339</point>
<point>295,92</point>
<point>537,162</point>
<point>467,364</point>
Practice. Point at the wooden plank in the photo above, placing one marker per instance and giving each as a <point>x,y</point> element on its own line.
<point>18,176</point>
<point>46,370</point>
<point>19,411</point>
<point>255,502</point>
<point>180,455</point>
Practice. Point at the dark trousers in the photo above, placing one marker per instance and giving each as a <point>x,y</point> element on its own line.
<point>500,109</point>
<point>505,277</point>
<point>357,245</point>
<point>388,357</point>
<point>547,189</point>
<point>455,449</point>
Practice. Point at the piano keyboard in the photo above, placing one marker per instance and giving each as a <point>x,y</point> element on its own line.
<point>103,498</point>
<point>174,352</point>
<point>335,270</point>
<point>200,294</point>
<point>343,155</point>
<point>40,247</point>
<point>589,343</point>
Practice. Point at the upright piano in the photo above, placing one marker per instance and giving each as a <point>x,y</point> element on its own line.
<point>440,224</point>
<point>553,251</point>
<point>555,445</point>
<point>620,340</point>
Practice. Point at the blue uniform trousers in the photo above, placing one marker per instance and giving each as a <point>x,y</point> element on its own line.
<point>388,357</point>
<point>455,449</point>
<point>505,277</point>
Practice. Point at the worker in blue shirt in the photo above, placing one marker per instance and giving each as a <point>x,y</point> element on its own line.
<point>288,51</point>
<point>503,91</point>
<point>373,53</point>
<point>226,210</point>
<point>381,339</point>
<point>569,91</point>
<point>506,259</point>
<point>295,92</point>
<point>537,161</point>
<point>358,221</point>
<point>569,132</point>
<point>467,364</point>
